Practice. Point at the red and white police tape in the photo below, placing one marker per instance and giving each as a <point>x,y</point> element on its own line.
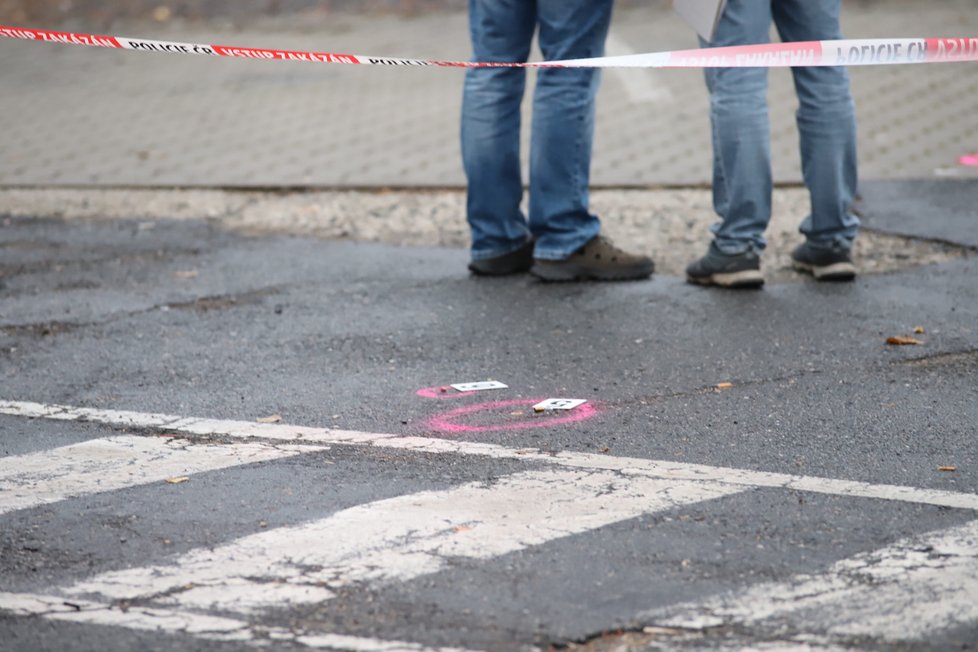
<point>858,52</point>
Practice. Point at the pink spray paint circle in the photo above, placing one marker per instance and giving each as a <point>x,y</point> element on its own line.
<point>450,421</point>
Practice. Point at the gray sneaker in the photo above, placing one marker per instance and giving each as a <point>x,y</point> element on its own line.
<point>825,264</point>
<point>598,260</point>
<point>725,270</point>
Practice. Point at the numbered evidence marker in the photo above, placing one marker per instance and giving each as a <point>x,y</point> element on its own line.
<point>559,404</point>
<point>478,387</point>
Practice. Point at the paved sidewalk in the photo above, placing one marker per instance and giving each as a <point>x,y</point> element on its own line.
<point>93,117</point>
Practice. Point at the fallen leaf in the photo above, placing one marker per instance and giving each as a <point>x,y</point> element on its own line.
<point>919,330</point>
<point>179,480</point>
<point>461,528</point>
<point>902,340</point>
<point>723,386</point>
<point>605,449</point>
<point>947,468</point>
<point>662,631</point>
<point>275,418</point>
<point>190,273</point>
<point>162,14</point>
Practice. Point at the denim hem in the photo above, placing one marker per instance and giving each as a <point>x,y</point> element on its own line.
<point>553,254</point>
<point>496,253</point>
<point>736,247</point>
<point>840,242</point>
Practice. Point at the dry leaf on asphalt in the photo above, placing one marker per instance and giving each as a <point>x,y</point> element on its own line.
<point>663,631</point>
<point>275,418</point>
<point>902,340</point>
<point>723,386</point>
<point>179,480</point>
<point>947,468</point>
<point>919,330</point>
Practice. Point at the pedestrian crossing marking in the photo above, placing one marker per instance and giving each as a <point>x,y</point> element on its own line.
<point>110,463</point>
<point>397,539</point>
<point>401,538</point>
<point>248,431</point>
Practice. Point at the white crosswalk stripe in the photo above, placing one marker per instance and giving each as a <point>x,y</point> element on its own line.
<point>117,462</point>
<point>198,625</point>
<point>246,431</point>
<point>398,539</point>
<point>874,594</point>
<point>413,535</point>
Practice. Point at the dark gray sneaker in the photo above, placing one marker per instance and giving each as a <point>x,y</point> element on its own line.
<point>729,271</point>
<point>825,264</point>
<point>515,262</point>
<point>598,260</point>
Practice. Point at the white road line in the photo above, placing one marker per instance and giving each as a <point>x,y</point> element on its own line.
<point>902,592</point>
<point>872,594</point>
<point>193,624</point>
<point>636,466</point>
<point>397,539</point>
<point>642,86</point>
<point>117,462</point>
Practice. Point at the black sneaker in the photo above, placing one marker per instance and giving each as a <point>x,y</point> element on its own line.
<point>598,260</point>
<point>515,262</point>
<point>729,271</point>
<point>825,264</point>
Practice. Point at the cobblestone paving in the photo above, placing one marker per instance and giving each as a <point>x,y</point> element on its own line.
<point>91,117</point>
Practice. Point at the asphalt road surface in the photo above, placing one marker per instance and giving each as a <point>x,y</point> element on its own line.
<point>210,441</point>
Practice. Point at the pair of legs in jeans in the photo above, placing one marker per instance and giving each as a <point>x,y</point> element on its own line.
<point>741,134</point>
<point>560,223</point>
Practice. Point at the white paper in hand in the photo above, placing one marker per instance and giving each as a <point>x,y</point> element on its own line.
<point>702,15</point>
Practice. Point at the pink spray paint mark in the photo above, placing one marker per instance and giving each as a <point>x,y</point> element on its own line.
<point>441,392</point>
<point>448,421</point>
<point>969,160</point>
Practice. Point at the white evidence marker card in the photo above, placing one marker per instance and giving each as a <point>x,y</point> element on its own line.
<point>559,404</point>
<point>479,387</point>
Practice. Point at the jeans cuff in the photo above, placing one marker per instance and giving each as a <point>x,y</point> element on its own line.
<point>486,254</point>
<point>837,243</point>
<point>736,247</point>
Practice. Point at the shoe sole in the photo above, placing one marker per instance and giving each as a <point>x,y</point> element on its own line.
<point>835,272</point>
<point>511,271</point>
<point>569,273</point>
<point>515,262</point>
<point>748,278</point>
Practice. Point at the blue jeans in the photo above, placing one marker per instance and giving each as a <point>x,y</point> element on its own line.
<point>562,130</point>
<point>741,133</point>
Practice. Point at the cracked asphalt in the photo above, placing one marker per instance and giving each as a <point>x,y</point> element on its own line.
<point>192,317</point>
